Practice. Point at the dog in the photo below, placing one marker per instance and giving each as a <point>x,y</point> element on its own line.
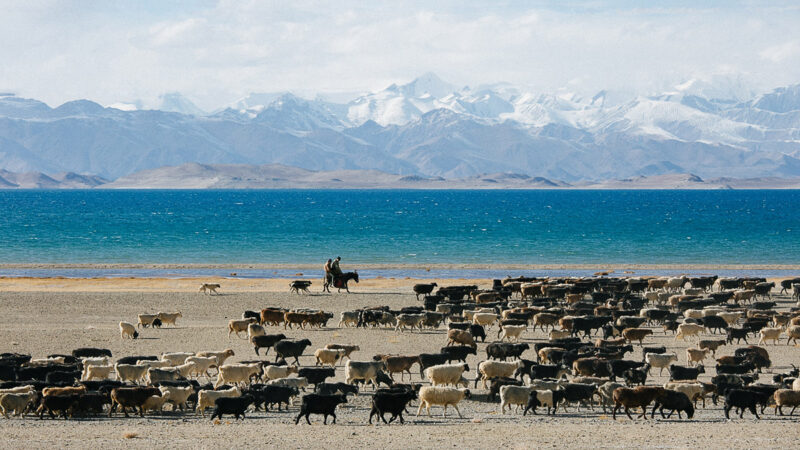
<point>209,287</point>
<point>299,285</point>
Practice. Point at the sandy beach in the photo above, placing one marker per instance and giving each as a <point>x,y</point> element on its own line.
<point>55,315</point>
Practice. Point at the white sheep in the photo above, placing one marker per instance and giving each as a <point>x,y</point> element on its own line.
<point>730,317</point>
<point>220,356</point>
<point>202,364</point>
<point>130,372</point>
<point>98,361</point>
<point>176,395</point>
<point>695,355</point>
<point>770,334</point>
<point>693,314</point>
<point>489,369</point>
<point>514,395</point>
<point>275,372</point>
<point>237,373</point>
<point>558,334</point>
<point>255,329</point>
<point>155,364</point>
<point>15,402</point>
<point>660,360</point>
<point>545,398</point>
<point>444,374</point>
<point>688,329</point>
<point>169,318</point>
<point>187,369</point>
<point>443,396</point>
<point>97,372</point>
<point>239,325</point>
<point>793,334</point>
<point>146,320</point>
<point>127,330</point>
<point>606,393</point>
<point>512,331</point>
<point>206,398</point>
<point>177,358</point>
<point>485,319</point>
<point>153,403</point>
<point>363,370</point>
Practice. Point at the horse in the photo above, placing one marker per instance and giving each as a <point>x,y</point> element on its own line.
<point>341,281</point>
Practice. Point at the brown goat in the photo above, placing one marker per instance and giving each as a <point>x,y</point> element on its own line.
<point>638,397</point>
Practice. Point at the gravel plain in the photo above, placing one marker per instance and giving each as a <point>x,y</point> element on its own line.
<point>58,316</point>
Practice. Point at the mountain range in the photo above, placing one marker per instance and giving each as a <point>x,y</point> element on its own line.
<point>427,128</point>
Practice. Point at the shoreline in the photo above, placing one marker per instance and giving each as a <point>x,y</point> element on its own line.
<point>417,266</point>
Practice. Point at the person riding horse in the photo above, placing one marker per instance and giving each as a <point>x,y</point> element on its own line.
<point>335,277</point>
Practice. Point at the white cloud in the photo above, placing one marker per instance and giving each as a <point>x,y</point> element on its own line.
<point>215,53</point>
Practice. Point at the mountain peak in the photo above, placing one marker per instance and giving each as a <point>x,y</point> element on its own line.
<point>177,102</point>
<point>428,84</point>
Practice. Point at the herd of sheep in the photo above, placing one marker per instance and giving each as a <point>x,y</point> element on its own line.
<point>567,365</point>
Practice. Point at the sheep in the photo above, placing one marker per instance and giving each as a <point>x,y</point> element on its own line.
<point>176,395</point>
<point>146,320</point>
<point>155,364</point>
<point>327,356</point>
<point>409,320</point>
<point>675,284</point>
<point>201,364</point>
<point>169,318</point>
<point>154,402</point>
<point>693,390</point>
<point>255,329</point>
<point>423,289</point>
<point>444,374</point>
<point>786,397</point>
<point>320,404</point>
<point>544,353</point>
<point>235,406</point>
<point>711,344</point>
<point>512,331</point>
<point>156,375</point>
<point>133,397</point>
<point>673,401</point>
<point>18,403</point>
<point>175,359</point>
<point>363,370</point>
<point>558,334</point>
<point>485,319</point>
<point>275,372</point>
<point>730,317</point>
<point>770,334</point>
<point>490,369</point>
<point>348,318</point>
<point>688,329</point>
<point>514,395</point>
<point>391,402</point>
<point>542,398</point>
<point>743,296</point>
<point>606,391</point>
<point>693,314</point>
<point>206,398</point>
<point>96,361</point>
<point>292,382</point>
<point>97,372</point>
<point>695,355</point>
<point>638,397</point>
<point>239,325</point>
<point>186,370</point>
<point>348,349</point>
<point>636,334</point>
<point>544,320</point>
<point>130,372</point>
<point>444,396</point>
<point>460,337</point>
<point>236,373</point>
<point>793,334</point>
<point>127,330</point>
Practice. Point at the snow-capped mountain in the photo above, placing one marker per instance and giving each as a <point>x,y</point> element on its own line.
<point>712,128</point>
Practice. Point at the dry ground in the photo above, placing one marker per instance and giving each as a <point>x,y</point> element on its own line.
<point>56,317</point>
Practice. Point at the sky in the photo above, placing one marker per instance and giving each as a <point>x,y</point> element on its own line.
<point>215,52</point>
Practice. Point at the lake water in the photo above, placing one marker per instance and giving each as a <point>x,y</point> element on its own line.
<point>402,227</point>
